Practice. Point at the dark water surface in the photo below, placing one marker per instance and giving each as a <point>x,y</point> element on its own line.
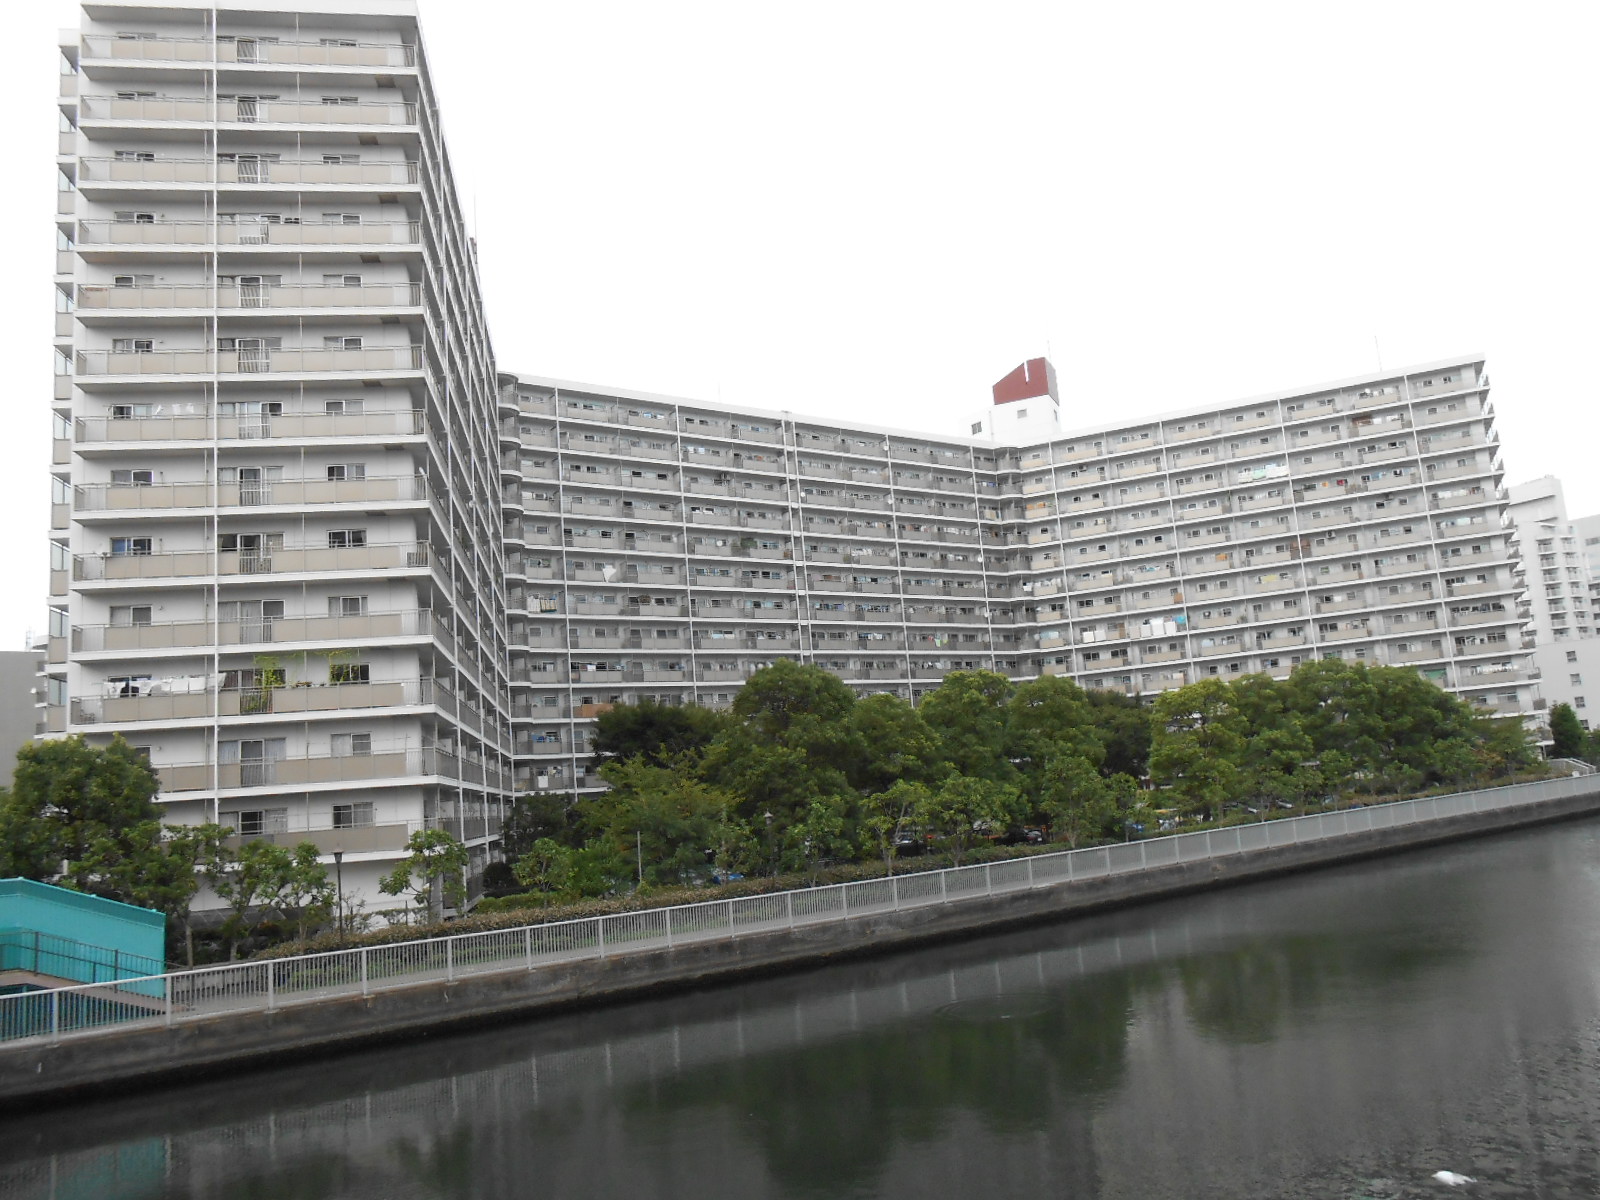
<point>1344,1033</point>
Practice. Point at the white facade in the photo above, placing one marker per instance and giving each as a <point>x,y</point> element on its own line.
<point>344,582</point>
<point>1561,595</point>
<point>665,549</point>
<point>276,556</point>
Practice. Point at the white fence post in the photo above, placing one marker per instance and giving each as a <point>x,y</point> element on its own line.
<point>600,932</point>
<point>527,946</point>
<point>789,896</point>
<point>988,879</point>
<point>894,891</point>
<point>272,988</point>
<point>364,952</point>
<point>55,1017</point>
<point>669,929</point>
<point>449,960</point>
<point>732,931</point>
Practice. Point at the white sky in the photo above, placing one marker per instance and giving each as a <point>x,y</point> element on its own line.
<point>874,209</point>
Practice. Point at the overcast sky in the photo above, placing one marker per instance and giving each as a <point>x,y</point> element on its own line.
<point>874,210</point>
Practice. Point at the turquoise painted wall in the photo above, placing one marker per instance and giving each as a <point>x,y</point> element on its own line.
<point>53,931</point>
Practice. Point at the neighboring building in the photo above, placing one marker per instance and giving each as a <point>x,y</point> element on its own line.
<point>1588,533</point>
<point>277,560</point>
<point>51,935</point>
<point>19,700</point>
<point>1561,595</point>
<point>301,556</point>
<point>664,549</point>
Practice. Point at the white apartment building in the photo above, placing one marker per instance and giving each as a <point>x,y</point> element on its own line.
<point>664,549</point>
<point>343,581</point>
<point>1560,595</point>
<point>276,556</point>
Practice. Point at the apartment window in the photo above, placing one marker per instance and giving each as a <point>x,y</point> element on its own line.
<point>347,537</point>
<point>349,673</point>
<point>341,218</point>
<point>1575,679</point>
<point>135,218</point>
<point>340,472</point>
<point>346,606</point>
<point>340,100</point>
<point>352,745</point>
<point>132,345</point>
<point>132,478</point>
<point>1578,702</point>
<point>356,815</point>
<point>1572,656</point>
<point>337,342</point>
<point>344,407</point>
<point>125,616</point>
<point>130,546</point>
<point>258,822</point>
<point>339,280</point>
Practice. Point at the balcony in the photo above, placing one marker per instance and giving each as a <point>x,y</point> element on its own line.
<point>295,772</point>
<point>102,174</point>
<point>193,566</point>
<point>248,235</point>
<point>189,634</point>
<point>146,110</point>
<point>246,362</point>
<point>133,301</point>
<point>166,702</point>
<point>383,489</point>
<point>248,51</point>
<point>253,427</point>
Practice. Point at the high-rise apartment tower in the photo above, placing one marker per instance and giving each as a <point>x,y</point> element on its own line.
<point>277,557</point>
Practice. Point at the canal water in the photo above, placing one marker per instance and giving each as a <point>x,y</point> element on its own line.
<point>1344,1033</point>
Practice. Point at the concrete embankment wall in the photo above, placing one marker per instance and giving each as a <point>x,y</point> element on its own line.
<point>110,1060</point>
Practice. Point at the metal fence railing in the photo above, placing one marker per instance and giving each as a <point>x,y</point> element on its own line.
<point>266,986</point>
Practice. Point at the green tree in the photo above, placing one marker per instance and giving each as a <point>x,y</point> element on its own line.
<point>546,868</point>
<point>1049,718</point>
<point>663,820</point>
<point>434,872</point>
<point>192,850</point>
<point>895,744</point>
<point>965,808</point>
<point>823,833</point>
<point>661,733</point>
<point>1077,802</point>
<point>889,814</point>
<point>1197,742</point>
<point>968,714</point>
<point>1123,724</point>
<point>248,880</point>
<point>1567,735</point>
<point>84,817</point>
<point>534,816</point>
<point>306,895</point>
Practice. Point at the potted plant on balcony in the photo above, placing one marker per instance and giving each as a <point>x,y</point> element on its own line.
<point>269,675</point>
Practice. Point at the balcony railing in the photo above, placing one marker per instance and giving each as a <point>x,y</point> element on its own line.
<point>189,564</point>
<point>328,52</point>
<point>165,702</point>
<point>247,172</point>
<point>130,300</point>
<point>94,497</point>
<point>247,234</point>
<point>248,361</point>
<point>185,634</point>
<point>253,427</point>
<point>312,769</point>
<point>245,111</point>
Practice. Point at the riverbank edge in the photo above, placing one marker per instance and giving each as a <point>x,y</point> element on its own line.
<point>116,1061</point>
